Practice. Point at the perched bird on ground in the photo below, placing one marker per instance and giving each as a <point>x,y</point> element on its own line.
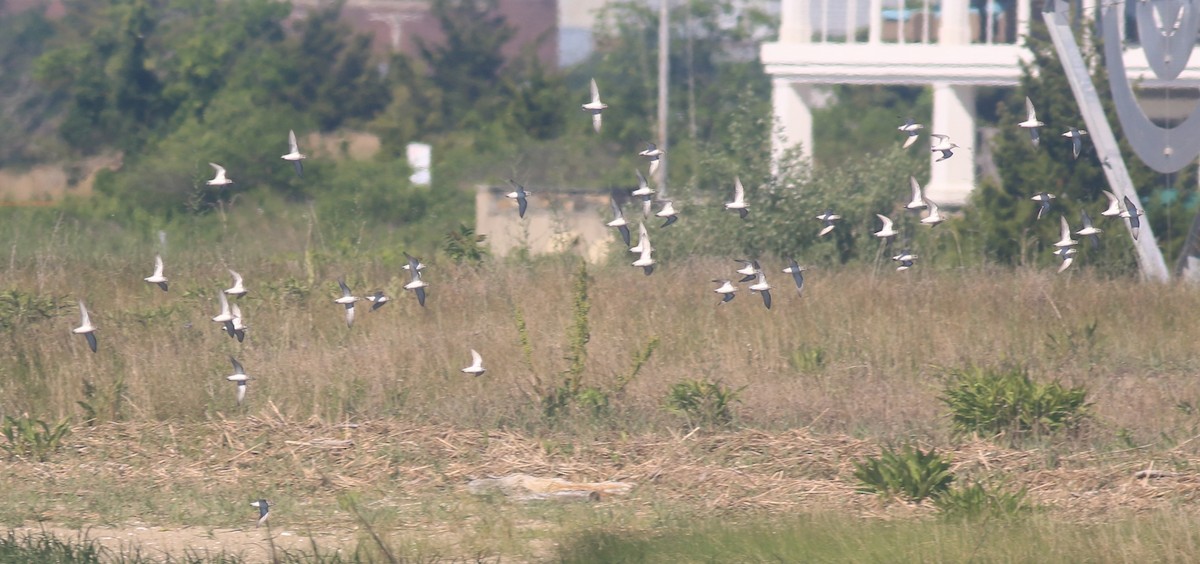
<point>416,285</point>
<point>918,201</point>
<point>1114,205</point>
<point>726,289</point>
<point>347,300</point>
<point>85,327</point>
<point>797,273</point>
<point>240,378</point>
<point>1031,122</point>
<point>595,106</point>
<point>763,288</point>
<point>827,222</point>
<point>1090,231</point>
<point>1076,137</point>
<point>645,261</point>
<point>739,199</point>
<point>912,129</point>
<point>619,221</point>
<point>943,145</point>
<point>294,154</point>
<point>476,367</point>
<point>935,216</point>
<point>379,298</point>
<point>219,178</point>
<point>238,289</point>
<point>654,154</point>
<point>521,195</point>
<point>1065,231</point>
<point>157,277</point>
<point>1043,200</point>
<point>264,511</point>
<point>1132,213</point>
<point>887,232</point>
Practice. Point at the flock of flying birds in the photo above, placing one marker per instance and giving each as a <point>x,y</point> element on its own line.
<point>230,316</point>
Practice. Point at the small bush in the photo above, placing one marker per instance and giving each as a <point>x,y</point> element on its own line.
<point>31,438</point>
<point>995,402</point>
<point>909,472</point>
<point>703,403</point>
<point>978,501</point>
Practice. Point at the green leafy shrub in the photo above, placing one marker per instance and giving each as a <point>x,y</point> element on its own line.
<point>909,472</point>
<point>978,501</point>
<point>703,402</point>
<point>31,438</point>
<point>992,402</point>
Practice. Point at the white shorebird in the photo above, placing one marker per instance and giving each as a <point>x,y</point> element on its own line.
<point>239,326</point>
<point>379,298</point>
<point>1114,205</point>
<point>1031,122</point>
<point>225,318</point>
<point>264,511</point>
<point>619,221</point>
<point>749,270</point>
<point>654,154</point>
<point>827,222</point>
<point>643,188</point>
<point>726,289</point>
<point>647,205</point>
<point>918,201</point>
<point>739,199</point>
<point>476,367</point>
<point>294,154</point>
<point>1076,137</point>
<point>416,285</point>
<point>935,215</point>
<point>1065,232</point>
<point>1090,231</point>
<point>420,266</point>
<point>943,146</point>
<point>1043,200</point>
<point>912,129</point>
<point>797,273</point>
<point>1131,212</point>
<point>1067,254</point>
<point>887,231</point>
<point>906,259</point>
<point>85,326</point>
<point>157,277</point>
<point>668,212</point>
<point>240,378</point>
<point>521,195</point>
<point>347,300</point>
<point>238,289</point>
<point>219,178</point>
<point>643,240</point>
<point>645,261</point>
<point>595,106</point>
<point>763,288</point>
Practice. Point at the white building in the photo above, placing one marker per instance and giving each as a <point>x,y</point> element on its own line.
<point>950,45</point>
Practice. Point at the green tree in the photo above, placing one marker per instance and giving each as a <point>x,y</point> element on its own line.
<point>466,66</point>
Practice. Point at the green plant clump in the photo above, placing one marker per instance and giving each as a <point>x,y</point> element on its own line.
<point>977,501</point>
<point>909,472</point>
<point>995,402</point>
<point>703,402</point>
<point>31,438</point>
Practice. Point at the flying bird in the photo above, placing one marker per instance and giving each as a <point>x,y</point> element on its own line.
<point>85,326</point>
<point>643,240</point>
<point>619,221</point>
<point>595,106</point>
<point>1132,213</point>
<point>157,277</point>
<point>264,511</point>
<point>935,216</point>
<point>726,289</point>
<point>238,289</point>
<point>918,201</point>
<point>239,326</point>
<point>911,128</point>
<point>654,154</point>
<point>797,273</point>
<point>1065,231</point>
<point>1043,200</point>
<point>668,212</point>
<point>1114,205</point>
<point>521,195</point>
<point>225,318</point>
<point>827,222</point>
<point>416,285</point>
<point>294,154</point>
<point>906,259</point>
<point>943,146</point>
<point>240,378</point>
<point>749,270</point>
<point>476,367</point>
<point>1031,122</point>
<point>1067,254</point>
<point>739,199</point>
<point>1090,231</point>
<point>886,232</point>
<point>379,299</point>
<point>1076,137</point>
<point>763,288</point>
<point>347,300</point>
<point>643,188</point>
<point>219,178</point>
<point>645,261</point>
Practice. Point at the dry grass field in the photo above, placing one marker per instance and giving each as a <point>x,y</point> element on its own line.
<point>372,430</point>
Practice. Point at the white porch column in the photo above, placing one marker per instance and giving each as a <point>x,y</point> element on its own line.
<point>951,180</point>
<point>793,117</point>
<point>795,25</point>
<point>1023,15</point>
<point>875,19</point>
<point>955,23</point>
